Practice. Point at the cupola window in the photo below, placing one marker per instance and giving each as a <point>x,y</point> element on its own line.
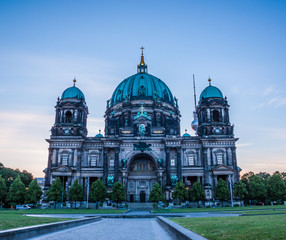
<point>173,162</point>
<point>141,91</point>
<point>216,116</point>
<point>68,116</point>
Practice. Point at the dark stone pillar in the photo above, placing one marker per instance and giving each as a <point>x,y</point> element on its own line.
<point>116,165</point>
<point>105,165</point>
<point>179,165</point>
<point>48,173</point>
<point>168,166</point>
<point>235,170</point>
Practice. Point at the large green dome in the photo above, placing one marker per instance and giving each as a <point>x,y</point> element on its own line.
<point>211,92</point>
<point>142,86</point>
<point>73,92</point>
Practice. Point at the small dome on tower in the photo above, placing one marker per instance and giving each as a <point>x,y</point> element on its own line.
<point>99,135</point>
<point>73,92</point>
<point>211,92</point>
<point>186,134</point>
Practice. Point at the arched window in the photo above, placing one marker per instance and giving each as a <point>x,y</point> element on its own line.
<point>216,116</point>
<point>68,116</point>
<point>219,157</point>
<point>191,157</point>
<point>94,159</point>
<point>65,158</point>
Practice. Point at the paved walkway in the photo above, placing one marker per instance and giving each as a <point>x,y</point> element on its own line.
<point>115,229</point>
<point>142,214</point>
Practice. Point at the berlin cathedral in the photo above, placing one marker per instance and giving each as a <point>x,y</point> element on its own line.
<point>142,142</point>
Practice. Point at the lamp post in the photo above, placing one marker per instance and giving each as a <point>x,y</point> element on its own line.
<point>87,191</point>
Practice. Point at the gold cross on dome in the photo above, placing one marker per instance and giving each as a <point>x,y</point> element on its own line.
<point>142,48</point>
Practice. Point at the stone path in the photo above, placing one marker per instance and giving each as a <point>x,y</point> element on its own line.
<point>113,229</point>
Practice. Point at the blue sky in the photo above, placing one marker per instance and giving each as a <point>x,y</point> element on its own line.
<point>239,44</point>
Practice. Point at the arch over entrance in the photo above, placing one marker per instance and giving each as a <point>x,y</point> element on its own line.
<point>142,175</point>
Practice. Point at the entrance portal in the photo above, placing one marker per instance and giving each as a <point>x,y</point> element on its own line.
<point>142,196</point>
<point>141,178</point>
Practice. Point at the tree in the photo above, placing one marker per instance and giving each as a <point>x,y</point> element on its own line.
<point>76,192</point>
<point>98,192</point>
<point>240,190</point>
<point>257,189</point>
<point>197,193</point>
<point>156,194</point>
<point>118,193</point>
<point>180,192</point>
<point>55,192</point>
<point>17,192</point>
<point>34,192</point>
<point>276,187</point>
<point>3,190</point>
<point>26,177</point>
<point>221,191</point>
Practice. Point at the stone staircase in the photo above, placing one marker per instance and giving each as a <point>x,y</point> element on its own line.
<point>140,206</point>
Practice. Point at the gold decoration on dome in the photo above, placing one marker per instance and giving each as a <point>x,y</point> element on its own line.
<point>209,80</point>
<point>74,81</point>
<point>142,57</point>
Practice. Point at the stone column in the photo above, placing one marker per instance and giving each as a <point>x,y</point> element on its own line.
<point>116,164</point>
<point>235,170</point>
<point>168,166</point>
<point>75,158</point>
<point>105,165</point>
<point>48,173</point>
<point>179,164</point>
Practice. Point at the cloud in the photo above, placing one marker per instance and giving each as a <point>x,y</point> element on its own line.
<point>277,101</point>
<point>244,144</point>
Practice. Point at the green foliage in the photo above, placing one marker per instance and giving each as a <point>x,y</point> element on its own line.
<point>180,192</point>
<point>76,192</point>
<point>3,189</point>
<point>257,189</point>
<point>156,194</point>
<point>221,191</point>
<point>98,192</point>
<point>118,193</point>
<point>276,187</point>
<point>17,192</point>
<point>197,192</point>
<point>34,192</point>
<point>55,192</point>
<point>10,175</point>
<point>240,190</point>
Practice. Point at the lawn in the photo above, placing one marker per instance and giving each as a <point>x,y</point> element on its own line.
<point>219,209</point>
<point>12,219</point>
<point>15,218</point>
<point>229,228</point>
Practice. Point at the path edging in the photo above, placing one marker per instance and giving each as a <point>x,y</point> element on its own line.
<point>178,231</point>
<point>36,230</point>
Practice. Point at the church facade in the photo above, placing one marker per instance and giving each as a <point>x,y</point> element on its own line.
<point>142,142</point>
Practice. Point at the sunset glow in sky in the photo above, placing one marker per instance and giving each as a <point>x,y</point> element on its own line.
<point>239,44</point>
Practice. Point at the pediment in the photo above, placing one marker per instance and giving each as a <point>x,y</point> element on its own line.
<point>63,169</point>
<point>222,167</point>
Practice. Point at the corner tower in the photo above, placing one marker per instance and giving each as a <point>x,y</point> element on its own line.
<point>213,114</point>
<point>71,114</point>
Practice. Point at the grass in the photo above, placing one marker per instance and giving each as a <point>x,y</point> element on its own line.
<point>243,228</point>
<point>12,219</point>
<point>219,209</point>
<point>15,219</point>
<point>66,211</point>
